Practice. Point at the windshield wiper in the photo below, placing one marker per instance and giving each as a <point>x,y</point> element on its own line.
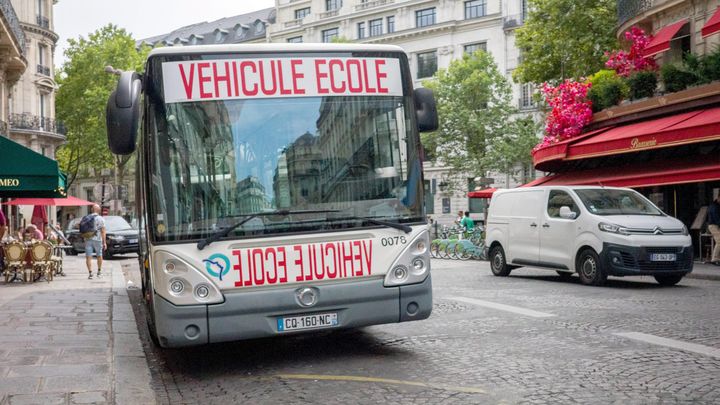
<point>402,227</point>
<point>225,231</point>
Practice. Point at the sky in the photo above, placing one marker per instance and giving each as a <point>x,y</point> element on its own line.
<point>142,18</point>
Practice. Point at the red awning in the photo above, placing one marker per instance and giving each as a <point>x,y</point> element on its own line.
<point>661,42</point>
<point>712,25</point>
<point>59,202</point>
<point>686,128</point>
<point>486,193</point>
<point>640,175</point>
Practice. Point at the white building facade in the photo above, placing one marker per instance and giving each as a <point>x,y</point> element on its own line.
<point>432,33</point>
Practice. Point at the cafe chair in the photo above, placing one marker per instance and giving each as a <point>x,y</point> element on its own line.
<point>14,260</point>
<point>56,260</point>
<point>41,254</point>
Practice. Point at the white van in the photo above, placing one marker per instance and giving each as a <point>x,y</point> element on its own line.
<point>594,231</point>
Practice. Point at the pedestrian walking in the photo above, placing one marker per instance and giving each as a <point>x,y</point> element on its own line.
<point>92,228</point>
<point>714,228</point>
<point>468,224</point>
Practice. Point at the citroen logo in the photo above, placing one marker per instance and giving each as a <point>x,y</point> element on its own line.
<point>658,231</point>
<point>306,296</point>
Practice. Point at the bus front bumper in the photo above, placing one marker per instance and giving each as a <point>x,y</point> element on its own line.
<point>254,314</point>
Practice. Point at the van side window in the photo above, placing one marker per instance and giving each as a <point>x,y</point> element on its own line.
<point>557,199</point>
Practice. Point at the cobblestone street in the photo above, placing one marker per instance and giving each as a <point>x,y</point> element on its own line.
<point>550,341</point>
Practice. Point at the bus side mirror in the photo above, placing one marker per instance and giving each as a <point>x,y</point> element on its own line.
<point>123,114</point>
<point>425,110</point>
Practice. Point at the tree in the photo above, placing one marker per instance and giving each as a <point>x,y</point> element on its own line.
<point>84,88</point>
<point>511,152</point>
<point>473,101</point>
<point>565,39</point>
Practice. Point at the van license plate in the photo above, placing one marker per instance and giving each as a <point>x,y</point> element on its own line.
<point>663,257</point>
<point>314,321</point>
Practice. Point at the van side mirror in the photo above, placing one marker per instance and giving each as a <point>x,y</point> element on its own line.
<point>123,114</point>
<point>425,110</point>
<point>566,213</point>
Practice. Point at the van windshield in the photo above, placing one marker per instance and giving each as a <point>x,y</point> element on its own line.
<point>616,202</point>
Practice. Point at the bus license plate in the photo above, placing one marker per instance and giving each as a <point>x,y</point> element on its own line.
<point>288,323</point>
<point>662,257</point>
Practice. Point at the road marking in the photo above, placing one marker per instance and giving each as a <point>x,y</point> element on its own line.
<point>675,344</point>
<point>503,307</point>
<point>352,378</point>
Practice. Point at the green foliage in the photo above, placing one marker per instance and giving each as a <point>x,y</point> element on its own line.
<point>473,100</point>
<point>677,78</point>
<point>84,88</point>
<point>565,39</point>
<point>607,90</point>
<point>642,84</point>
<point>340,40</point>
<point>706,68</point>
<point>511,152</point>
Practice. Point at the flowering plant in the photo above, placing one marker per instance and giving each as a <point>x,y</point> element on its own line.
<point>570,111</point>
<point>626,63</point>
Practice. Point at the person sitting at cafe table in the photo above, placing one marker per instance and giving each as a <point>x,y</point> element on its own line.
<point>3,225</point>
<point>31,232</point>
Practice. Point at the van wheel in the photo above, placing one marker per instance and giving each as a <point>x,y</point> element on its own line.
<point>497,262</point>
<point>668,280</point>
<point>590,269</point>
<point>564,275</point>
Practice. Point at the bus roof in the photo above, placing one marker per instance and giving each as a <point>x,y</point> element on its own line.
<point>273,47</point>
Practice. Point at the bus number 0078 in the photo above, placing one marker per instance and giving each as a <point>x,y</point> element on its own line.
<point>393,240</point>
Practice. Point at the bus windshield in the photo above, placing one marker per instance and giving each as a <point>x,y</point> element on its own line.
<point>212,162</point>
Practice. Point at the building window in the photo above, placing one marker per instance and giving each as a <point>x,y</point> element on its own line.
<point>426,64</point>
<point>524,10</point>
<point>328,35</point>
<point>361,30</point>
<point>331,5</point>
<point>526,96</point>
<point>41,8</point>
<point>391,24</point>
<point>472,48</point>
<point>376,27</point>
<point>42,108</point>
<point>295,40</point>
<point>425,17</point>
<point>475,9</point>
<point>301,13</point>
<point>41,54</point>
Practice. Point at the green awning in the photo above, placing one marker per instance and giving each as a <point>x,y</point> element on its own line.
<point>26,173</point>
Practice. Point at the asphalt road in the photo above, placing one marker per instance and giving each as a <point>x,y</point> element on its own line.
<point>529,338</point>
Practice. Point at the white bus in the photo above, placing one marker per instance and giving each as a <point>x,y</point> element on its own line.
<point>280,188</point>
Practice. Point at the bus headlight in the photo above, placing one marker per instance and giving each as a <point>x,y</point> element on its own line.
<point>413,264</point>
<point>179,282</point>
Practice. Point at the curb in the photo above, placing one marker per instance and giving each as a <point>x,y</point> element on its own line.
<point>701,276</point>
<point>130,373</point>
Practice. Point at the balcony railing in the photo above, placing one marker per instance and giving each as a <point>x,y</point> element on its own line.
<point>35,123</point>
<point>329,13</point>
<point>43,22</point>
<point>8,11</point>
<point>43,70</point>
<point>373,3</point>
<point>513,21</point>
<point>627,9</point>
<point>293,23</point>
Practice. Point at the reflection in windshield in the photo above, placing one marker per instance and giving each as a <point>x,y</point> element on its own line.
<point>616,202</point>
<point>220,159</point>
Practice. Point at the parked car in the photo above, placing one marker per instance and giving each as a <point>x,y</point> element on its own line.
<point>119,236</point>
<point>594,231</point>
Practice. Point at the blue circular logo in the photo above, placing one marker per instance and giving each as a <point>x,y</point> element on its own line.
<point>217,265</point>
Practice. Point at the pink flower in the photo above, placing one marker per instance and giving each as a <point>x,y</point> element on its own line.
<point>626,63</point>
<point>570,111</point>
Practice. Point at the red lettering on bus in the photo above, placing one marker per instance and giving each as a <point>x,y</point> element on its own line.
<point>281,80</point>
<point>267,90</point>
<point>367,81</point>
<point>359,87</point>
<point>347,257</point>
<point>238,266</point>
<point>331,65</point>
<point>319,75</point>
<point>188,82</point>
<point>299,263</point>
<point>357,257</point>
<point>333,273</point>
<point>236,80</point>
<point>248,91</point>
<point>282,264</point>
<point>380,75</point>
<point>271,252</point>
<point>202,79</point>
<point>217,79</point>
<point>296,76</point>
<point>367,253</point>
<point>258,276</point>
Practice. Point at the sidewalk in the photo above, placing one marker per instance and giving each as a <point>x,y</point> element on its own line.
<point>71,341</point>
<point>705,271</point>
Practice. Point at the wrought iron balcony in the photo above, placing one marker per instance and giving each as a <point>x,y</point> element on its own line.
<point>43,70</point>
<point>372,3</point>
<point>627,9</point>
<point>35,123</point>
<point>43,22</point>
<point>8,12</point>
